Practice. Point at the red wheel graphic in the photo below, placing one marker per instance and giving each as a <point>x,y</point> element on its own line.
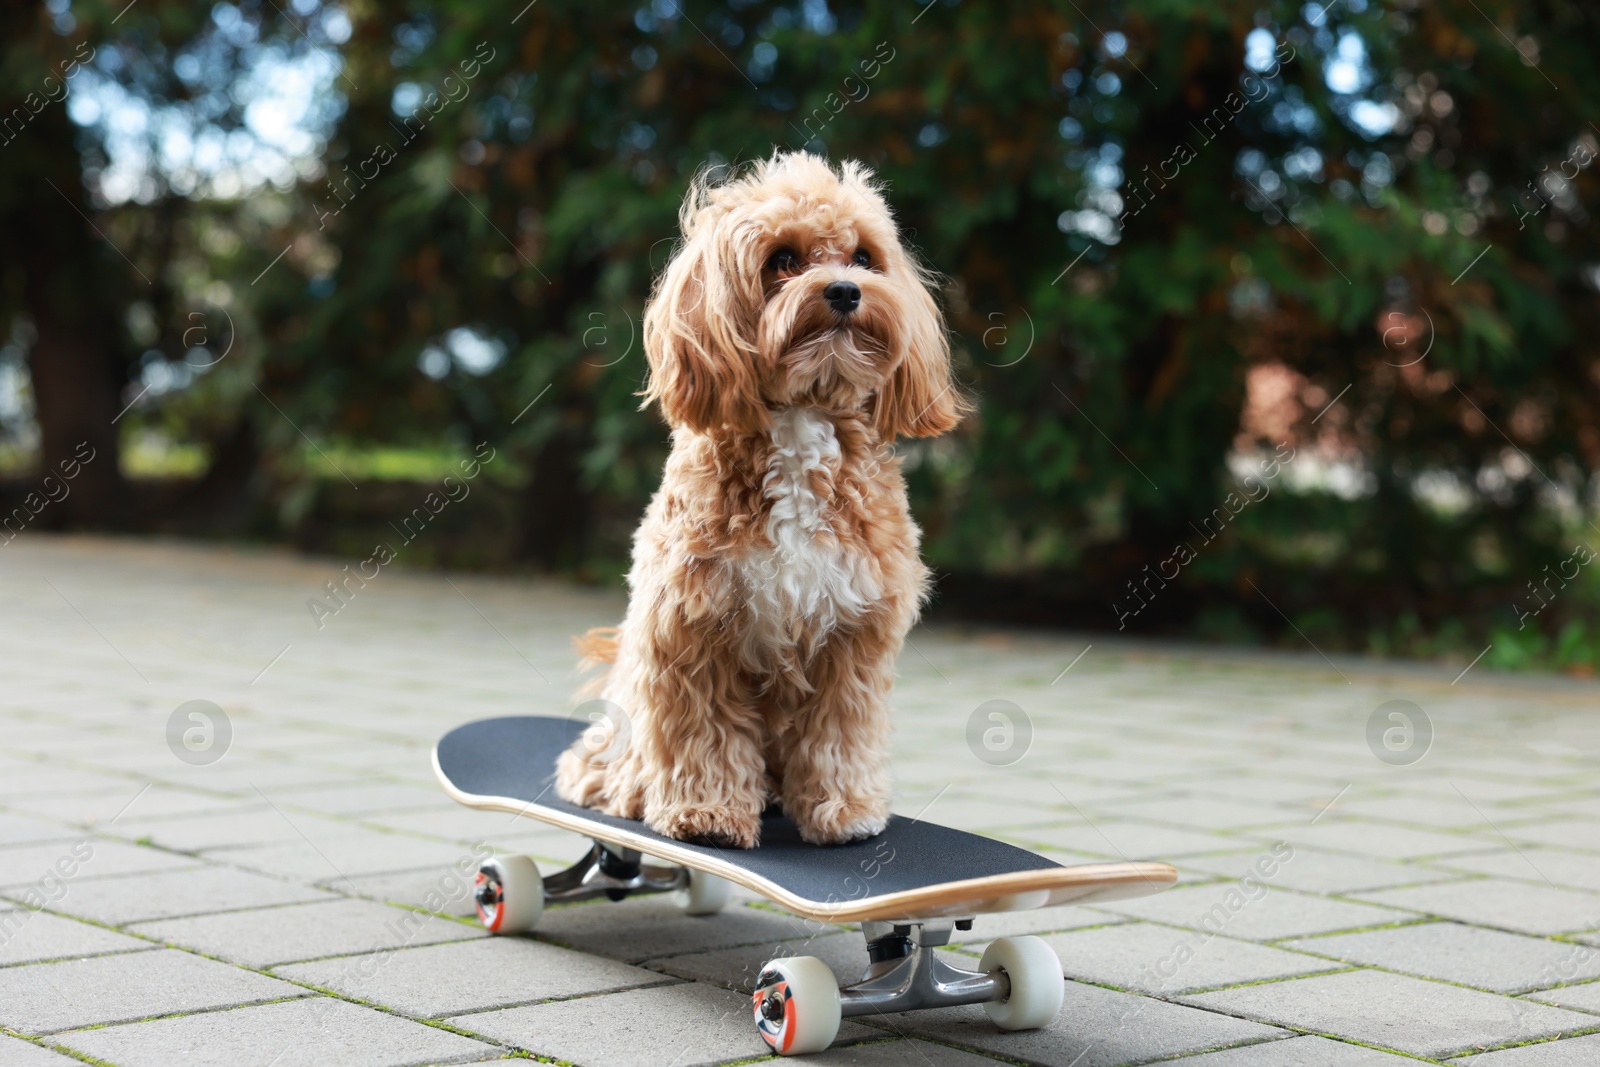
<point>796,1005</point>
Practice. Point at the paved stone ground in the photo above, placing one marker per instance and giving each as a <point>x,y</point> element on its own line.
<point>300,899</point>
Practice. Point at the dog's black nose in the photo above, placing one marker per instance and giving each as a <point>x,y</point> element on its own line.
<point>843,297</point>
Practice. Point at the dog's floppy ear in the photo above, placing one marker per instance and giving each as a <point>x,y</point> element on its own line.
<point>920,399</point>
<point>699,330</point>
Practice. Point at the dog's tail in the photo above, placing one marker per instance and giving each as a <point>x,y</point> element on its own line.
<point>597,648</point>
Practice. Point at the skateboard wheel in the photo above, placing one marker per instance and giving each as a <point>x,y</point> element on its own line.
<point>1037,986</point>
<point>706,894</point>
<point>510,894</point>
<point>796,1005</point>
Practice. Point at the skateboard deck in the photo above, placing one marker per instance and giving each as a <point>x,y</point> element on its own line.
<point>913,870</point>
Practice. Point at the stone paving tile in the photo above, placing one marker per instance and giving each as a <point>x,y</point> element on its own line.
<point>1440,811</point>
<point>463,976</point>
<point>1570,870</point>
<point>1383,840</point>
<point>45,997</point>
<point>373,754</point>
<point>1323,872</point>
<point>1115,839</point>
<point>26,780</point>
<point>1163,960</point>
<point>1278,913</point>
<point>1584,997</point>
<point>168,894</point>
<point>638,930</point>
<point>1005,784</point>
<point>1294,794</point>
<point>18,829</point>
<point>251,826</point>
<point>338,733</point>
<point>1097,1028</point>
<point>300,1033</point>
<point>1570,1052</point>
<point>1484,790</point>
<point>1396,1012</point>
<point>143,754</point>
<point>469,826</point>
<point>1200,812</point>
<point>989,817</point>
<point>28,936</point>
<point>15,1052</point>
<point>1298,1052</point>
<point>1586,804</point>
<point>27,864</point>
<point>1529,909</point>
<point>1580,833</point>
<point>1466,955</point>
<point>247,775</point>
<point>101,806</point>
<point>429,887</point>
<point>305,931</point>
<point>351,854</point>
<point>685,1025</point>
<point>365,798</point>
<point>908,1052</point>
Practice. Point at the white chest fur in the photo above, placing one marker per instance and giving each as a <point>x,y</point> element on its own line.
<point>806,575</point>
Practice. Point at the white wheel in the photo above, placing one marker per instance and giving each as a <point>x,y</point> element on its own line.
<point>796,1005</point>
<point>1037,986</point>
<point>510,894</point>
<point>706,894</point>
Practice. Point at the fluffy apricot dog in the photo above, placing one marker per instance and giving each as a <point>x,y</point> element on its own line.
<point>791,339</point>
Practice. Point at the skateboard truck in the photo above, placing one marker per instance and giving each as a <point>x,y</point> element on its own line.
<point>798,1005</point>
<point>511,894</point>
<point>612,872</point>
<point>905,974</point>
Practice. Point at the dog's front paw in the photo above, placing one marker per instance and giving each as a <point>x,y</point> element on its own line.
<point>578,781</point>
<point>613,789</point>
<point>724,827</point>
<point>834,822</point>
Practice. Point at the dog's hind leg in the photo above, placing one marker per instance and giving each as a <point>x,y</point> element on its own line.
<point>686,753</point>
<point>582,772</point>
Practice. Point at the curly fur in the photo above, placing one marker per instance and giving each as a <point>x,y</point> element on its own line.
<point>776,571</point>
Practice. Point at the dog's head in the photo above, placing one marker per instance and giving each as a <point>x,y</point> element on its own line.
<point>791,287</point>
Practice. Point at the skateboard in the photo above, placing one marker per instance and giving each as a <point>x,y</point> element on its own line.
<point>909,888</point>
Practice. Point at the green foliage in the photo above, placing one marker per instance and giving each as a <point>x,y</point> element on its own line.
<point>1118,358</point>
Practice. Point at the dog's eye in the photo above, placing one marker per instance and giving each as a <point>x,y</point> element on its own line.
<point>783,261</point>
<point>862,258</point>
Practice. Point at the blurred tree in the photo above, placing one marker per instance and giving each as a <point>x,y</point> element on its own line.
<point>59,273</point>
<point>1154,203</point>
<point>1182,240</point>
<point>129,134</point>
